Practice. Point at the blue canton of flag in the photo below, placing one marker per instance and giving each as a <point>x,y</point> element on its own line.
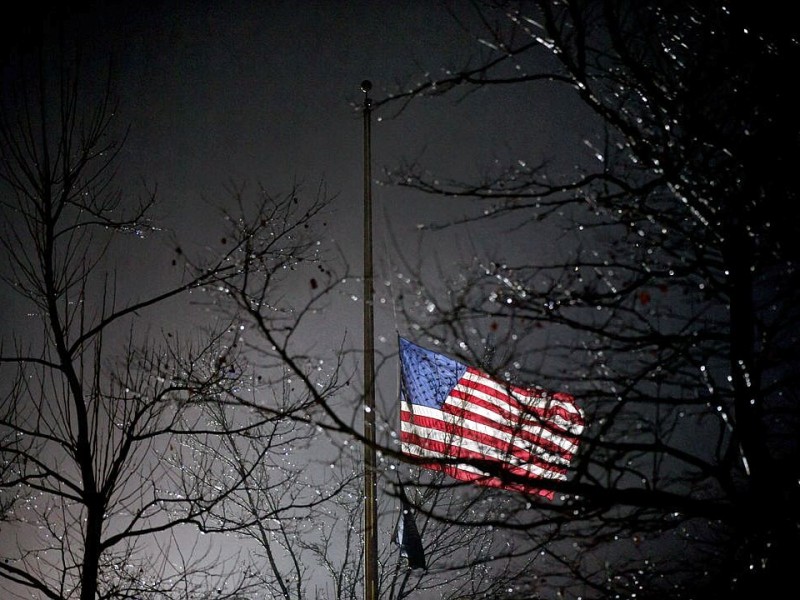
<point>480,430</point>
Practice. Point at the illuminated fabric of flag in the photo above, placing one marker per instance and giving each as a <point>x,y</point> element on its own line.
<point>477,429</point>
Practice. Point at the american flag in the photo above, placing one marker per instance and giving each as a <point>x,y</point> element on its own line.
<point>481,430</point>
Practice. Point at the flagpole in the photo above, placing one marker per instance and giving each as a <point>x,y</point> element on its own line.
<point>370,459</point>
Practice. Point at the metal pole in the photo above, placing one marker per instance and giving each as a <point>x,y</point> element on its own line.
<point>370,479</point>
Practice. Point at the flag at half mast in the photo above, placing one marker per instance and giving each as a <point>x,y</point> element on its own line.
<point>478,429</point>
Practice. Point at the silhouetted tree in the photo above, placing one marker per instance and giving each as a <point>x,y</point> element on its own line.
<point>662,289</point>
<point>111,434</point>
<point>461,562</point>
<point>296,530</point>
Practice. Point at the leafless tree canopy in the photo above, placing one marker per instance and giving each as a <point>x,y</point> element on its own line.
<point>124,437</point>
<point>668,303</point>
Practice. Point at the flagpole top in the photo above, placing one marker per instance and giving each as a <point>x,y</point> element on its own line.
<point>366,86</point>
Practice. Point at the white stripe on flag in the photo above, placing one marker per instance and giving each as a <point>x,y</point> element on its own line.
<point>414,450</point>
<point>473,446</point>
<point>459,422</point>
<point>462,404</point>
<point>531,398</point>
<point>535,402</point>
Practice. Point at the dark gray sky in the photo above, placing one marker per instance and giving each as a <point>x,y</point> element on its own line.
<point>263,93</point>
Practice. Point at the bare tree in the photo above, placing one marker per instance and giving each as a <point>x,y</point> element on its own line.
<point>668,300</point>
<point>109,432</point>
<point>277,514</point>
<point>460,562</point>
<point>324,528</point>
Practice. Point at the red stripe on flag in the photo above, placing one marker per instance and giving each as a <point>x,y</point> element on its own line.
<point>416,446</point>
<point>528,456</point>
<point>472,456</point>
<point>496,482</point>
<point>553,403</point>
<point>524,429</point>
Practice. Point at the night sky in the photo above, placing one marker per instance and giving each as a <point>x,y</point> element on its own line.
<point>267,93</point>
